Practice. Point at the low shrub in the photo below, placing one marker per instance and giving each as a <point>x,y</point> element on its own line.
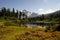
<point>55,27</point>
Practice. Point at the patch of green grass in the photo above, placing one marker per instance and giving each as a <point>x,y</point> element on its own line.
<point>9,32</point>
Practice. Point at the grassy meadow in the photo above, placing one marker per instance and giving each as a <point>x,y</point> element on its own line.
<point>23,33</point>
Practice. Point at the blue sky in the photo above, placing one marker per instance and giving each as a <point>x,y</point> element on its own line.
<point>39,6</point>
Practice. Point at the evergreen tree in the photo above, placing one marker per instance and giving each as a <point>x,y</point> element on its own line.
<point>20,14</point>
<point>17,14</point>
<point>8,12</point>
<point>13,12</point>
<point>4,12</point>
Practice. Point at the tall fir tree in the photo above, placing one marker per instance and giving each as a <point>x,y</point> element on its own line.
<point>13,12</point>
<point>16,14</point>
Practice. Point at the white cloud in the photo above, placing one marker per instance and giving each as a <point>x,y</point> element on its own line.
<point>40,9</point>
<point>43,11</point>
<point>50,10</point>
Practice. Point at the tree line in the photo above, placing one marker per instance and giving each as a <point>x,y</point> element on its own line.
<point>6,12</point>
<point>12,17</point>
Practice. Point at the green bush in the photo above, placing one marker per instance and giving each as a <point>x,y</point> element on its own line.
<point>52,28</point>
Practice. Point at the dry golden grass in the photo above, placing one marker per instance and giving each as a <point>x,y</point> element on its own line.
<point>39,35</point>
